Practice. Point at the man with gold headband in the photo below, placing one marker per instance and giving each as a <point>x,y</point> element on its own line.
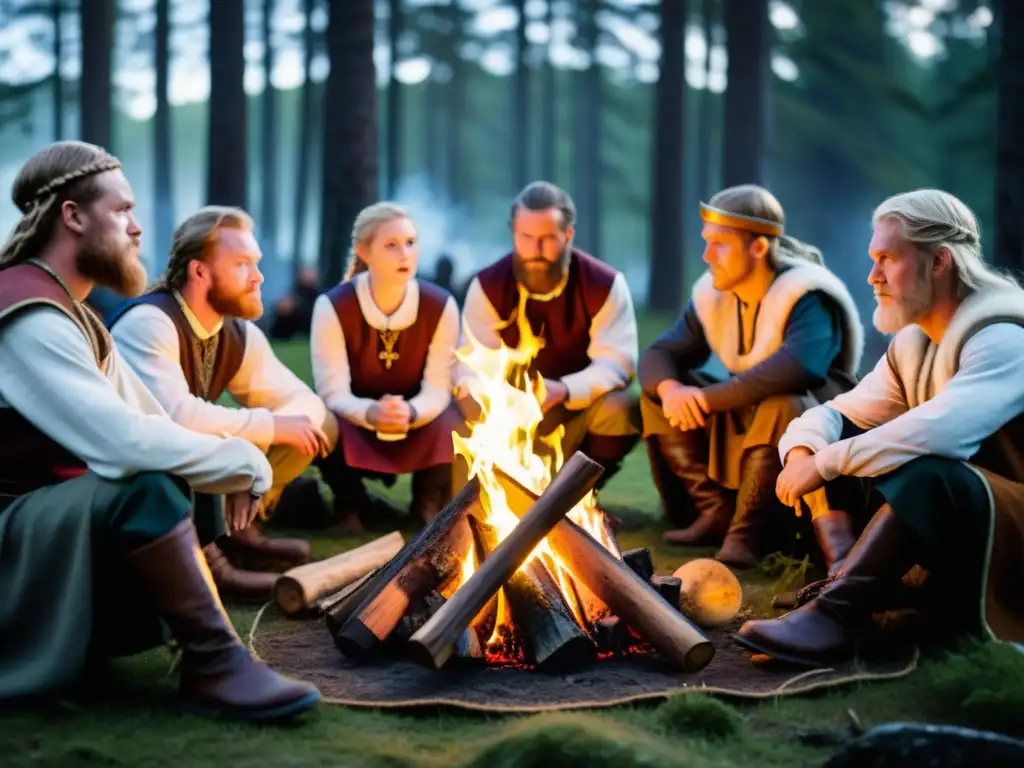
<point>787,331</point>
<point>191,338</point>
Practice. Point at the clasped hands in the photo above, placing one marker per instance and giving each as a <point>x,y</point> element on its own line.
<point>391,415</point>
<point>685,407</point>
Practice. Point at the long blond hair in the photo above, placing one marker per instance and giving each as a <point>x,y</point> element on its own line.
<point>364,229</point>
<point>931,219</point>
<point>193,236</point>
<point>756,201</point>
<point>63,171</point>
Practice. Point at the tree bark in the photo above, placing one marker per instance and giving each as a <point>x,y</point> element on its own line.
<point>227,163</point>
<point>305,138</point>
<point>519,125</point>
<point>393,138</point>
<point>268,142</point>
<point>58,84</point>
<point>350,131</point>
<point>1009,246</point>
<point>163,187</point>
<point>96,92</point>
<point>749,49</point>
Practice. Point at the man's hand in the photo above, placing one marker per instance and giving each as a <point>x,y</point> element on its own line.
<point>685,407</point>
<point>390,415</point>
<point>799,478</point>
<point>240,510</point>
<point>302,434</point>
<point>555,393</point>
<point>798,452</point>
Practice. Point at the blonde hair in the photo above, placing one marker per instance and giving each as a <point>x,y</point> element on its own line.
<point>193,236</point>
<point>63,171</point>
<point>756,201</point>
<point>364,229</point>
<point>931,219</point>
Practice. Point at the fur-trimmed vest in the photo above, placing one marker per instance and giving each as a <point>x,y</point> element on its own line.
<point>716,311</point>
<point>923,369</point>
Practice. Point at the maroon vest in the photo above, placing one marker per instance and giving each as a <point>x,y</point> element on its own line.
<point>230,345</point>
<point>30,459</point>
<point>563,322</point>
<point>367,352</point>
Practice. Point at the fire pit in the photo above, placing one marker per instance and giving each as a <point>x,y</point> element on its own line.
<point>522,567</point>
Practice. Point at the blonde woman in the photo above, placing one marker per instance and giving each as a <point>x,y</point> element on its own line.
<point>383,345</point>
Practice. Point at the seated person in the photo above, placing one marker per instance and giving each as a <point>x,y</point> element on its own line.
<point>192,338</point>
<point>99,552</point>
<point>934,430</point>
<point>788,332</point>
<point>582,310</point>
<point>383,345</point>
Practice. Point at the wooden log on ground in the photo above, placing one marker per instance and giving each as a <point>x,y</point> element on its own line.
<point>299,588</point>
<point>670,588</point>
<point>329,603</point>
<point>552,640</point>
<point>640,561</point>
<point>434,643</point>
<point>425,564</point>
<point>627,595</point>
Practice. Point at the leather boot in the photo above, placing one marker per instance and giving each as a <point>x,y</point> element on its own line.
<point>218,676</point>
<point>686,454</point>
<point>751,536</point>
<point>676,506</point>
<point>829,628</point>
<point>251,543</point>
<point>430,492</point>
<point>234,583</point>
<point>834,532</point>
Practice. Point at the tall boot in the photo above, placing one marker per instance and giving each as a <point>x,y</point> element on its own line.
<point>676,506</point>
<point>834,531</point>
<point>236,583</point>
<point>686,454</point>
<point>431,490</point>
<point>751,534</point>
<point>828,629</point>
<point>218,676</point>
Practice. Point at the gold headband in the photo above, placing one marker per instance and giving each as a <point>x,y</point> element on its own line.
<point>739,221</point>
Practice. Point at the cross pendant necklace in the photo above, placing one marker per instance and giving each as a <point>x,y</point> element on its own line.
<point>388,355</point>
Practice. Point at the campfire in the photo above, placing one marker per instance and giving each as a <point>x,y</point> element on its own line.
<point>522,567</point>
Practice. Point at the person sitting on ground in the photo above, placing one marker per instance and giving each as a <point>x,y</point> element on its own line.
<point>190,339</point>
<point>98,551</point>
<point>934,433</point>
<point>789,334</point>
<point>383,346</point>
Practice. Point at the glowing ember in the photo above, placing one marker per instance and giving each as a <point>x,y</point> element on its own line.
<point>505,438</point>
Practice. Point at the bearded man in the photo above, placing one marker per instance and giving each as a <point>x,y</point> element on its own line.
<point>789,334</point>
<point>936,435</point>
<point>98,551</point>
<point>191,339</point>
<point>582,311</point>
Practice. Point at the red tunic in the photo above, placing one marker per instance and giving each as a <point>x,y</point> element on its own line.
<point>424,447</point>
<point>30,459</point>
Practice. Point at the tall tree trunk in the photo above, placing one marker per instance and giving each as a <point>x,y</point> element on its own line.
<point>227,166</point>
<point>455,174</point>
<point>588,161</point>
<point>748,45</point>
<point>549,122</point>
<point>1009,245</point>
<point>268,141</point>
<point>162,184</point>
<point>58,83</point>
<point>393,137</point>
<point>350,131</point>
<point>305,138</point>
<point>665,282</point>
<point>519,128</point>
<point>96,92</point>
<point>707,104</point>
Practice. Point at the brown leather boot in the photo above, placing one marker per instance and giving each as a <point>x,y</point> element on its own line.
<point>676,506</point>
<point>828,628</point>
<point>234,583</point>
<point>750,536</point>
<point>686,454</point>
<point>218,676</point>
<point>252,543</point>
<point>431,489</point>
<point>834,532</point>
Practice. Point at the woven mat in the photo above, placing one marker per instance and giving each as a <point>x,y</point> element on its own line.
<point>303,649</point>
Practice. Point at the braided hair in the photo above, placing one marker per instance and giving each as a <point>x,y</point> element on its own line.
<point>63,171</point>
<point>192,237</point>
<point>364,229</point>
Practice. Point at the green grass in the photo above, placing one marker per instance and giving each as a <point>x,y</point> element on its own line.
<point>133,722</point>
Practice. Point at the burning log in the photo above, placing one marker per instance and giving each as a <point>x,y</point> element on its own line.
<point>424,565</point>
<point>628,596</point>
<point>434,643</point>
<point>552,640</point>
<point>297,590</point>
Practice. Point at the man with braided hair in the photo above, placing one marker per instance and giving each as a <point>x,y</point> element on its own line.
<point>99,554</point>
<point>191,339</point>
